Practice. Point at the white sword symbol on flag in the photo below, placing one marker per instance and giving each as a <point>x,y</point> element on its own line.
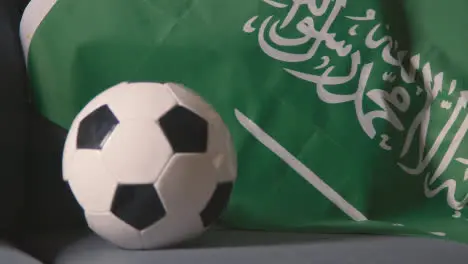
<point>299,167</point>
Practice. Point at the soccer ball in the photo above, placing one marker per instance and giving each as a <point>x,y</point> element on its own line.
<point>151,164</point>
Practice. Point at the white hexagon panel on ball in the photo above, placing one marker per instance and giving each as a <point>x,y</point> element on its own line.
<point>151,164</point>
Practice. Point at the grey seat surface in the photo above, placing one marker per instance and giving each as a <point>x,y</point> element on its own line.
<point>235,247</point>
<point>10,254</point>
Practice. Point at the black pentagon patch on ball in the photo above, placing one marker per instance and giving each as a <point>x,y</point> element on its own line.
<point>186,131</point>
<point>217,203</point>
<point>95,128</point>
<point>138,205</point>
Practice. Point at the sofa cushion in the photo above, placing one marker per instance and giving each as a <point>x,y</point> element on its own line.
<point>223,246</point>
<point>13,114</point>
<point>49,202</point>
<point>10,254</point>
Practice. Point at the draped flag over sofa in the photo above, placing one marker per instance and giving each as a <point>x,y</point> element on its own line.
<point>348,116</point>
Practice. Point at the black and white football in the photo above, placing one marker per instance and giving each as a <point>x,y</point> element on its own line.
<point>151,164</point>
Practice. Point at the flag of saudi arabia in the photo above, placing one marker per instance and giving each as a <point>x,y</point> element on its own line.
<point>348,116</point>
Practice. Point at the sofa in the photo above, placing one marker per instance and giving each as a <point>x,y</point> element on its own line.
<point>41,221</point>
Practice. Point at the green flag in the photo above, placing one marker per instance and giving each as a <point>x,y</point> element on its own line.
<point>347,116</point>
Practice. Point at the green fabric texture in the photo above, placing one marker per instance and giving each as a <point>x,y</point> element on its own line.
<point>347,116</point>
